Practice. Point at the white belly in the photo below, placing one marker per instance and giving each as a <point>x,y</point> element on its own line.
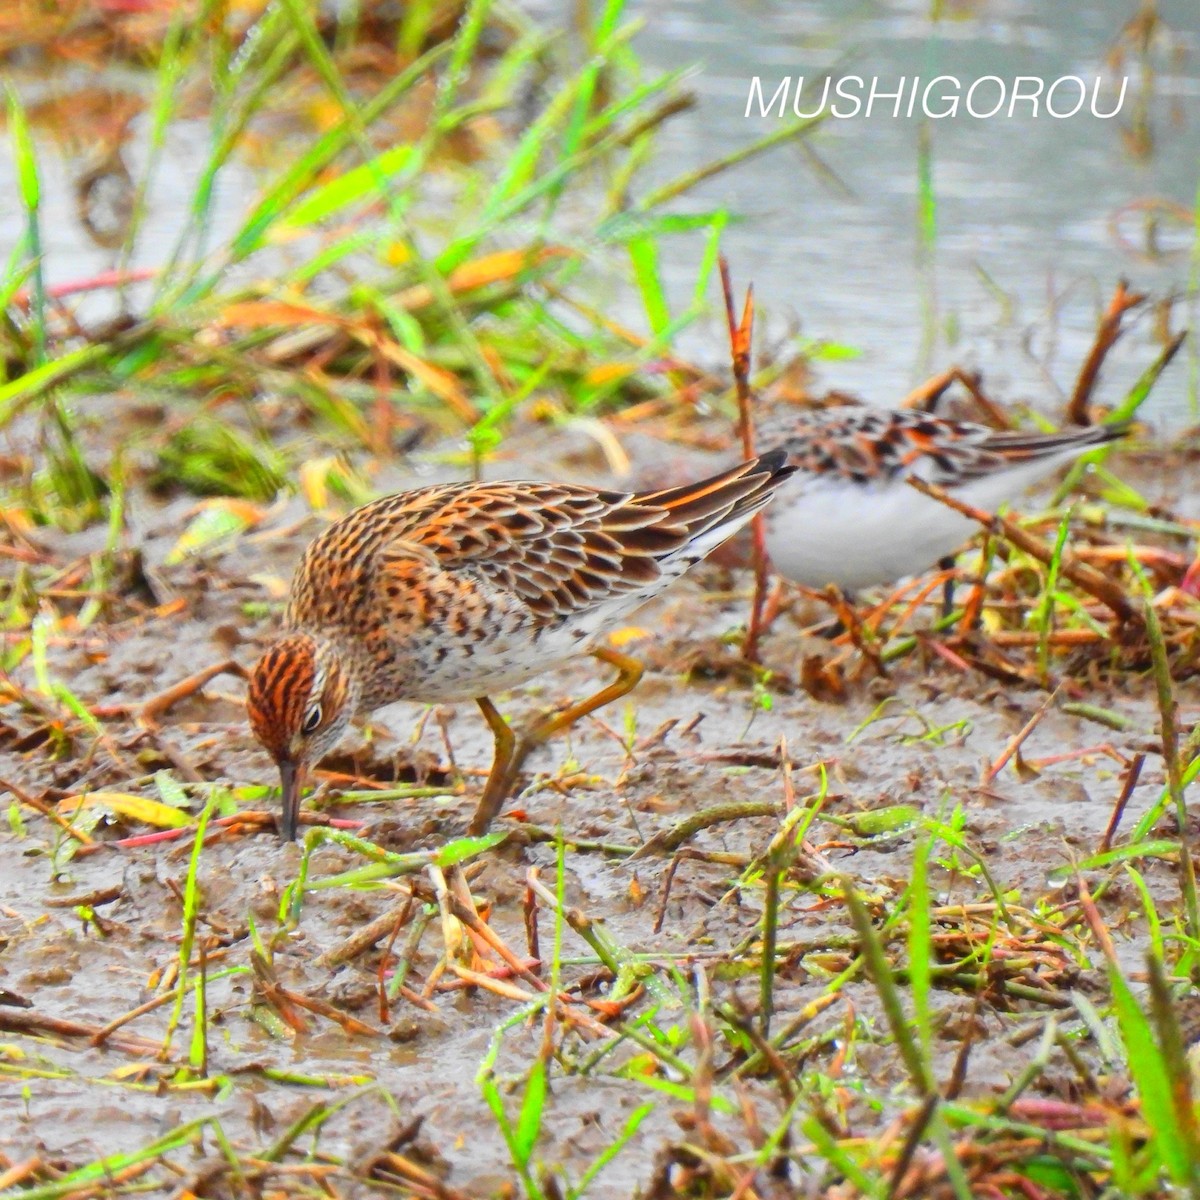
<point>497,667</point>
<point>860,535</point>
<point>437,669</point>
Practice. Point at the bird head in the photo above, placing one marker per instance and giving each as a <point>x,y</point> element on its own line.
<point>299,703</point>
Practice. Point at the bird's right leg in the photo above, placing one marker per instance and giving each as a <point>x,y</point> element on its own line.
<point>629,672</point>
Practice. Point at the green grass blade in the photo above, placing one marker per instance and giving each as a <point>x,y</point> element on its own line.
<point>348,188</point>
<point>29,187</point>
<point>1128,407</point>
<point>685,183</point>
<point>292,184</point>
<point>882,976</point>
<point>1150,1077</point>
<point>529,1122</point>
<point>99,1174</point>
<point>19,392</point>
<point>920,944</point>
<point>643,252</point>
<point>611,1151</point>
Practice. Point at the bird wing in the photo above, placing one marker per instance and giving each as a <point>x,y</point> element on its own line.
<point>563,549</point>
<point>560,549</point>
<point>865,444</point>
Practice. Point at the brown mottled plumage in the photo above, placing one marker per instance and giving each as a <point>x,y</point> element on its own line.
<point>457,591</point>
<point>847,516</point>
<point>861,444</point>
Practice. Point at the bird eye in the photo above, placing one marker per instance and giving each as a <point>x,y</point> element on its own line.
<point>312,719</point>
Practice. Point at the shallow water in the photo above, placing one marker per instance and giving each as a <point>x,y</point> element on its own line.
<point>1033,220</point>
<point>1036,219</point>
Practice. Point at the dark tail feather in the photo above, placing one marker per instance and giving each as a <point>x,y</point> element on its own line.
<point>1040,445</point>
<point>725,499</point>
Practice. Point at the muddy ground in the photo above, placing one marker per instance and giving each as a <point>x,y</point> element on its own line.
<point>923,737</point>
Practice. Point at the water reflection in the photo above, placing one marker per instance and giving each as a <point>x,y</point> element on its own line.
<point>992,242</point>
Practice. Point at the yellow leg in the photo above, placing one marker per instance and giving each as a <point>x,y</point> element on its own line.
<point>511,754</point>
<point>500,777</point>
<point>629,671</point>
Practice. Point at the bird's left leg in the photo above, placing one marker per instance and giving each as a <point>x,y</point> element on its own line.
<point>500,777</point>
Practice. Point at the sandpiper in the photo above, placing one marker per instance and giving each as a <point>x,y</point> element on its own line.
<point>848,517</point>
<point>460,591</point>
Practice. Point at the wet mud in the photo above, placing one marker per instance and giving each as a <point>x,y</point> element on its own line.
<point>697,734</point>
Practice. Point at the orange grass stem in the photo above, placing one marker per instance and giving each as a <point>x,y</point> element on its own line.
<point>1080,574</point>
<point>740,334</point>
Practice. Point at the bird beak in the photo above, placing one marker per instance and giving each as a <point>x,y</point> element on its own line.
<point>291,778</point>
